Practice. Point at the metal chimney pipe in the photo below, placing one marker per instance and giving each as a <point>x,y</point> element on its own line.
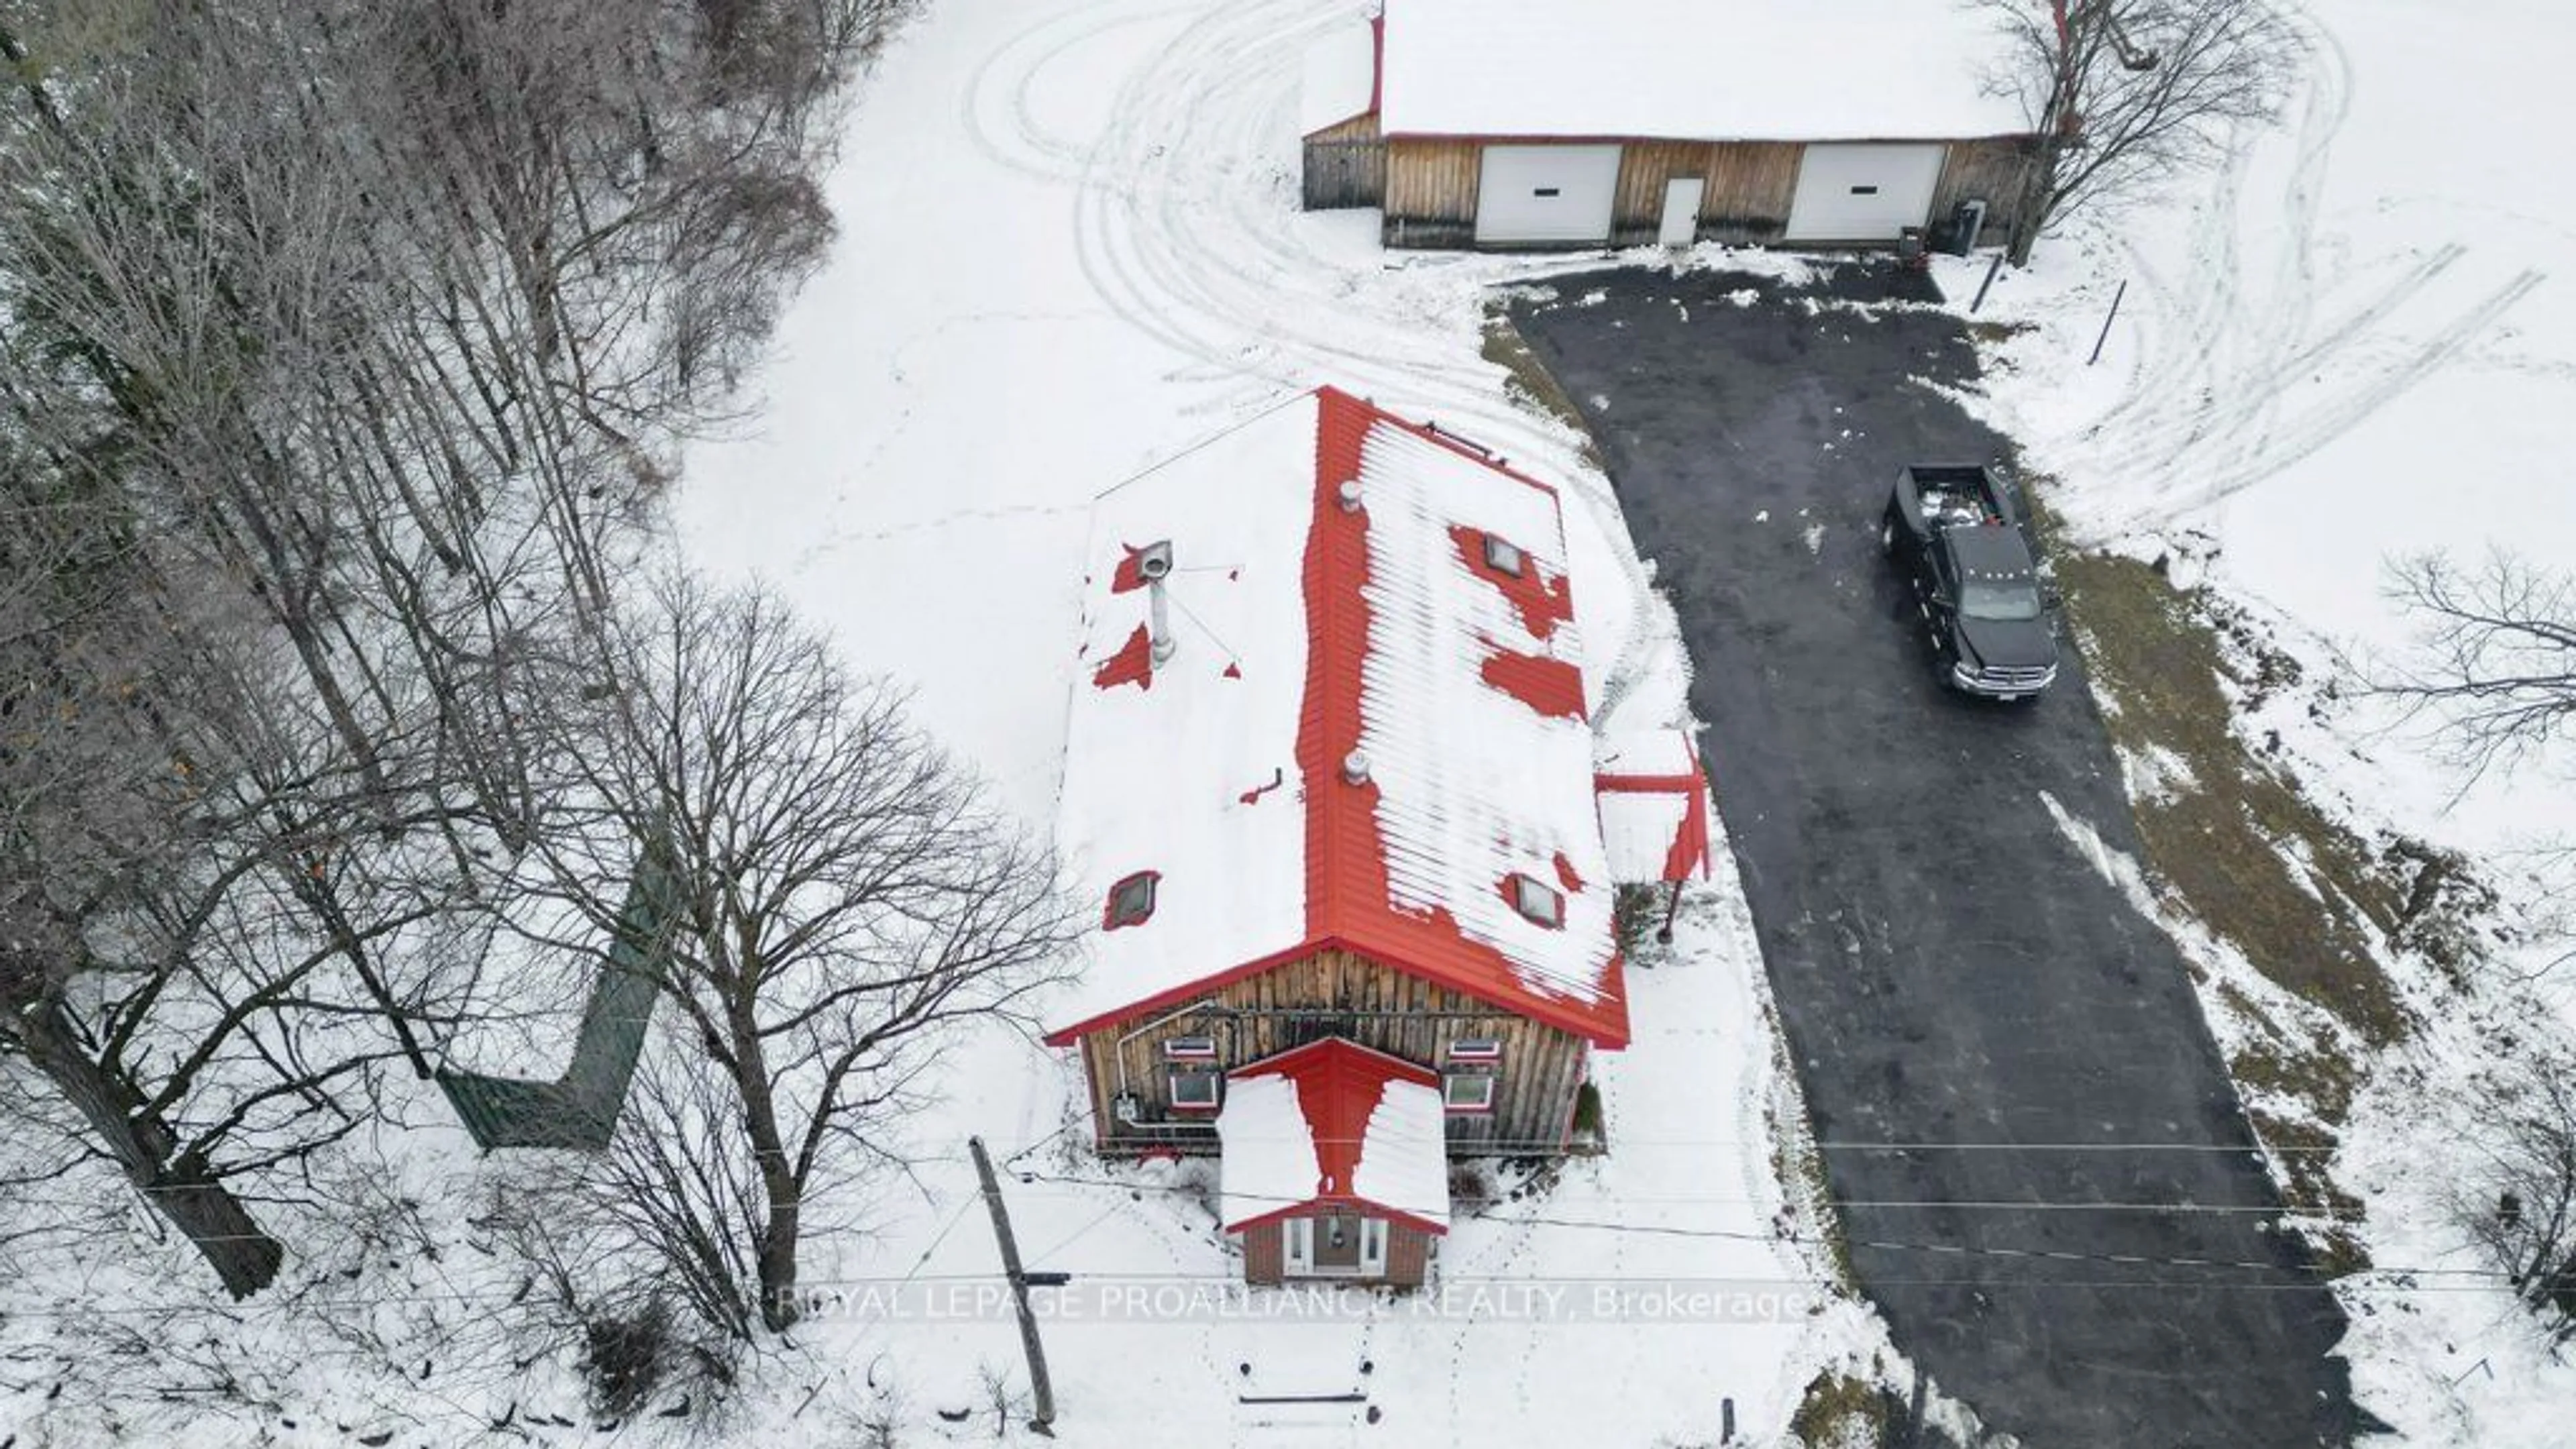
<point>1154,565</point>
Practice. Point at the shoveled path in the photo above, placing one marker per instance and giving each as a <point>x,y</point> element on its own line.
<point>2074,1240</point>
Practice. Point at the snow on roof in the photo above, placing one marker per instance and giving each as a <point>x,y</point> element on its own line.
<point>1644,833</point>
<point>1192,772</point>
<point>1333,1122</point>
<point>1341,77</point>
<point>1268,1161</point>
<point>1306,632</point>
<point>1645,754</point>
<point>1404,1154</point>
<point>1472,719</point>
<point>1654,806</point>
<point>1742,70</point>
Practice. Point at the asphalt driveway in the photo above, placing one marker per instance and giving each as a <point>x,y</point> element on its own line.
<point>2048,1183</point>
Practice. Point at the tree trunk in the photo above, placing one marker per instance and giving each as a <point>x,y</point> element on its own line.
<point>776,1237</point>
<point>2038,183</point>
<point>244,1256</point>
<point>778,1261</point>
<point>180,1187</point>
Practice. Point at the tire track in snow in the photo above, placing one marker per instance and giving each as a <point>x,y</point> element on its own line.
<point>1198,246</point>
<point>2237,387</point>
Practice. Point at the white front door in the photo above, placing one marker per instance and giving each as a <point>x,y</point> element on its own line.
<point>1681,211</point>
<point>1545,194</point>
<point>1336,1245</point>
<point>1862,193</point>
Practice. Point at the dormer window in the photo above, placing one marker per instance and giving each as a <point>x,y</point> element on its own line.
<point>1538,903</point>
<point>1503,557</point>
<point>1131,901</point>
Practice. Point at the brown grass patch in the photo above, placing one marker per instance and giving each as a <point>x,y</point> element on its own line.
<point>1529,383</point>
<point>2237,843</point>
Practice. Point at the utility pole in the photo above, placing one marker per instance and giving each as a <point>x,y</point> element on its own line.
<point>1039,1388</point>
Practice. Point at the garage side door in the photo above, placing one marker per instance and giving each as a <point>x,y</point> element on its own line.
<point>1852,193</point>
<point>1546,194</point>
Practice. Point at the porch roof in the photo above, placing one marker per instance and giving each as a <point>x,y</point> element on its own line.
<point>1333,1124</point>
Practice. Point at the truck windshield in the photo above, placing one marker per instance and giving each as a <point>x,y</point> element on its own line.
<point>1999,601</point>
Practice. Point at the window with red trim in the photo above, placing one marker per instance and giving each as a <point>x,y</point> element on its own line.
<point>1131,901</point>
<point>1505,557</point>
<point>1536,901</point>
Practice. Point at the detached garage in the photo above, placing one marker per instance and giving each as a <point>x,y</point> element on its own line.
<point>1536,123</point>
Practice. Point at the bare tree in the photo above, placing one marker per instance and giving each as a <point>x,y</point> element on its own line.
<point>2516,1198</point>
<point>337,343</point>
<point>161,822</point>
<point>2495,662</point>
<point>2122,95</point>
<point>841,902</point>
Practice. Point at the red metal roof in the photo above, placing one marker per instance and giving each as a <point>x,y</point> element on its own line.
<point>1339,1085</point>
<point>1347,897</point>
<point>1367,886</point>
<point>1688,854</point>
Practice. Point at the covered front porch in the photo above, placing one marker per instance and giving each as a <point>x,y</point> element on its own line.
<point>1334,1166</point>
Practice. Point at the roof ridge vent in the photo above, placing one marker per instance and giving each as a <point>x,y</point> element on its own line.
<point>1348,495</point>
<point>1355,767</point>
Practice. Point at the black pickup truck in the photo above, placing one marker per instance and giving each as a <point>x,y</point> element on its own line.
<point>1956,534</point>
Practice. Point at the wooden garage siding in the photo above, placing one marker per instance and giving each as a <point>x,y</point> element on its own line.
<point>1346,165</point>
<point>1431,192</point>
<point>1989,170</point>
<point>1637,213</point>
<point>1336,993</point>
<point>1429,187</point>
<point>1750,186</point>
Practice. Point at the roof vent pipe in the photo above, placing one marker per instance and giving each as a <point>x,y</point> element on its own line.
<point>1154,565</point>
<point>1349,495</point>
<point>1355,767</point>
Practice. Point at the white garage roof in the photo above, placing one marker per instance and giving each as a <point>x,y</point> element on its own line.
<point>1341,76</point>
<point>1700,70</point>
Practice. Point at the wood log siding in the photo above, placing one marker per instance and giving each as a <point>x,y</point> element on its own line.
<point>1335,993</point>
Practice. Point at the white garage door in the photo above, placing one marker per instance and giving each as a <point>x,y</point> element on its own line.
<point>1863,193</point>
<point>1546,194</point>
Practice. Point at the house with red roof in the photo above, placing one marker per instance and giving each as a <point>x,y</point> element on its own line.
<point>1332,784</point>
